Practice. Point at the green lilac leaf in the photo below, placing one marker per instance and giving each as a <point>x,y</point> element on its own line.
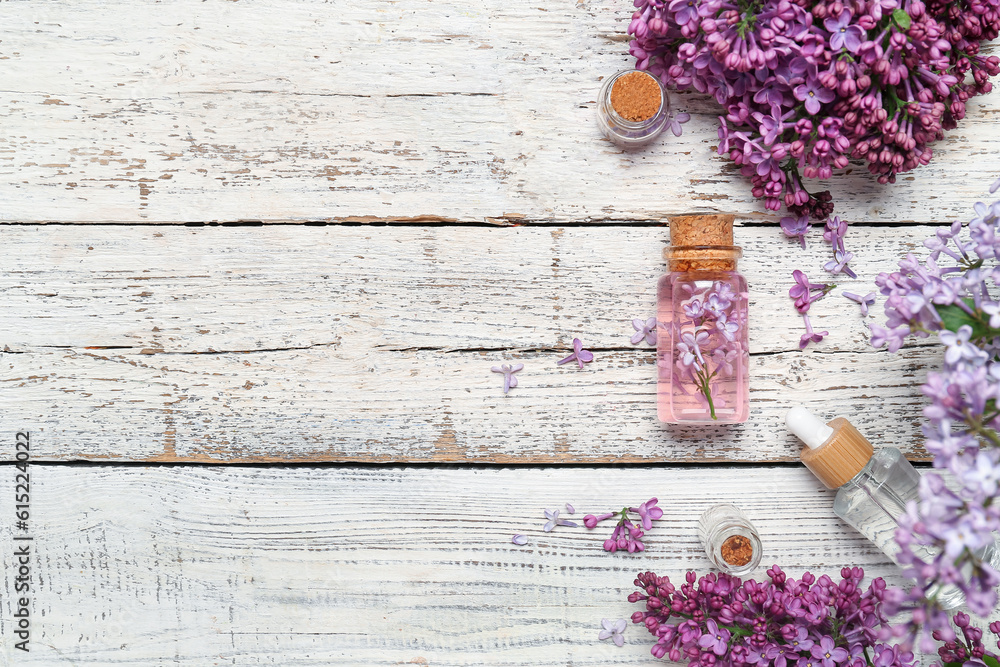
<point>952,664</point>
<point>991,661</point>
<point>901,18</point>
<point>953,317</point>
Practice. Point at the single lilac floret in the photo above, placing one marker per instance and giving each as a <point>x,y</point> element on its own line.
<point>509,381</point>
<point>810,336</point>
<point>613,630</point>
<point>715,638</point>
<point>828,653</point>
<point>675,123</point>
<point>554,520</point>
<point>796,228</point>
<point>804,293</point>
<point>958,347</point>
<point>813,94</point>
<point>865,301</point>
<point>844,35</point>
<point>580,355</point>
<point>644,330</point>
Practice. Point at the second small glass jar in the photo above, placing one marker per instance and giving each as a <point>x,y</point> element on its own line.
<point>633,133</point>
<point>730,540</point>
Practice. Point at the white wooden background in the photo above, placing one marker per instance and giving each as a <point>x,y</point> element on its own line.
<point>466,213</point>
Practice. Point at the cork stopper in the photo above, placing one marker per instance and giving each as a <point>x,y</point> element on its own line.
<point>841,457</point>
<point>702,243</point>
<point>701,230</point>
<point>636,96</point>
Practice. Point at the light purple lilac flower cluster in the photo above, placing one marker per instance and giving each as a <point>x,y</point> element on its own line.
<point>952,294</point>
<point>807,85</point>
<point>723,621</point>
<point>627,535</point>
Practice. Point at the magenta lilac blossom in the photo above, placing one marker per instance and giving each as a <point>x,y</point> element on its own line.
<point>951,295</point>
<point>806,86</point>
<point>509,381</point>
<point>644,331</point>
<point>633,522</point>
<point>580,355</point>
<point>803,293</point>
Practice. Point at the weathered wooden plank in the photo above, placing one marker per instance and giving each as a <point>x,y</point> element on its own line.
<point>299,110</point>
<point>326,404</point>
<point>334,566</point>
<point>348,344</point>
<point>215,289</point>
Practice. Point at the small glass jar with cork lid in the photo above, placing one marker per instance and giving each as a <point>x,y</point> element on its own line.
<point>730,540</point>
<point>632,108</point>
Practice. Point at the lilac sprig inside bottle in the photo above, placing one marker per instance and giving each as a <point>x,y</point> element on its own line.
<point>631,526</point>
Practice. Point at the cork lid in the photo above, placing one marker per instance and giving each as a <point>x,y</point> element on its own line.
<point>702,230</point>
<point>841,457</point>
<point>702,243</point>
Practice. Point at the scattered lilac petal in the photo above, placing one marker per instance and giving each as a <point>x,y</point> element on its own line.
<point>509,381</point>
<point>644,330</point>
<point>995,186</point>
<point>570,509</point>
<point>865,301</point>
<point>675,123</point>
<point>796,228</point>
<point>810,336</point>
<point>580,355</point>
<point>519,540</point>
<point>613,630</point>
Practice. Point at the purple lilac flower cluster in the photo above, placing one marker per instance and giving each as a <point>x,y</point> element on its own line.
<point>723,621</point>
<point>627,535</point>
<point>952,294</point>
<point>720,620</point>
<point>807,85</point>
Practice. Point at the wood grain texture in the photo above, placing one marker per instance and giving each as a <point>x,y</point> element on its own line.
<point>283,110</point>
<point>358,344</point>
<point>339,566</point>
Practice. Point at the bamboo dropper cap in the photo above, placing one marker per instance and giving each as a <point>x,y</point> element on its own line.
<point>835,452</point>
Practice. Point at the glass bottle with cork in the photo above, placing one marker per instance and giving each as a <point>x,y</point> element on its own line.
<point>873,487</point>
<point>702,342</point>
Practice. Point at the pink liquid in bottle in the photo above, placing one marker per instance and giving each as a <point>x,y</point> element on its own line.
<point>702,342</point>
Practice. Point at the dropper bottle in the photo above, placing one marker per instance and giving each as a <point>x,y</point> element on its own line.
<point>873,487</point>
